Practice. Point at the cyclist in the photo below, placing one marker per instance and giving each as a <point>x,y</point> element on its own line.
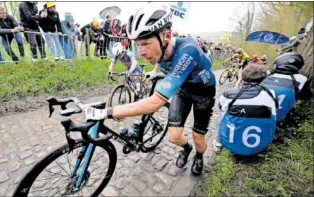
<point>244,59</point>
<point>189,81</point>
<point>287,82</point>
<point>128,59</point>
<point>248,121</point>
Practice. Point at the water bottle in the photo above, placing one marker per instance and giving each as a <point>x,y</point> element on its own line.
<point>138,86</point>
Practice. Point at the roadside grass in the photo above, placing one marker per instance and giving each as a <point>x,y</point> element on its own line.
<point>50,77</point>
<point>33,78</point>
<point>284,169</point>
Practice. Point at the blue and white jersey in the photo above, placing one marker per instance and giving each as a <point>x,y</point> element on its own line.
<point>127,58</point>
<point>248,126</point>
<point>283,85</point>
<point>187,64</point>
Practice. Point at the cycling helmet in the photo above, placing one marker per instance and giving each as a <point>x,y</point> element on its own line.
<point>149,21</point>
<point>239,51</point>
<point>117,49</point>
<point>289,62</point>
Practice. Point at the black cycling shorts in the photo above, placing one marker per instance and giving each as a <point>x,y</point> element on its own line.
<point>245,64</point>
<point>202,99</point>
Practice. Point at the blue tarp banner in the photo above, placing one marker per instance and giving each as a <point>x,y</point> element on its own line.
<point>267,37</point>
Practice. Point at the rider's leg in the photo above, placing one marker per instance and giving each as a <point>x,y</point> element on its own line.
<point>237,85</point>
<point>179,110</point>
<point>202,110</point>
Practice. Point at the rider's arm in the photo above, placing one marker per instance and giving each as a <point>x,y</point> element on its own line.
<point>134,62</point>
<point>113,62</point>
<point>182,65</point>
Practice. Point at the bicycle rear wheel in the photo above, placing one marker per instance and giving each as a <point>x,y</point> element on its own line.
<point>155,129</point>
<point>40,180</point>
<point>119,96</point>
<point>223,77</point>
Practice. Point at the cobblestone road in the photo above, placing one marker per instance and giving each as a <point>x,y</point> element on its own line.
<point>27,137</point>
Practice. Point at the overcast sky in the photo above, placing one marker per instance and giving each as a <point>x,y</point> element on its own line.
<point>201,17</point>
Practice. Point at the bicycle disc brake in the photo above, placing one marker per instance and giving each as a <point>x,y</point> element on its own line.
<point>71,187</point>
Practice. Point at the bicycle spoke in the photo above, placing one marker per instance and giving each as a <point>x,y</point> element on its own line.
<point>63,169</point>
<point>55,173</point>
<point>69,163</point>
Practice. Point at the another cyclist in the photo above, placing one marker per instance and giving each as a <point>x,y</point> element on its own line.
<point>287,82</point>
<point>244,59</point>
<point>189,81</point>
<point>248,121</point>
<point>128,59</point>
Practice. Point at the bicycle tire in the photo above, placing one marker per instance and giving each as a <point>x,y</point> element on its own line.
<point>232,77</point>
<point>145,87</point>
<point>146,149</point>
<point>25,184</point>
<point>222,82</point>
<point>116,89</point>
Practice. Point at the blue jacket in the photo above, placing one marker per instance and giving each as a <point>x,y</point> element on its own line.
<point>66,28</point>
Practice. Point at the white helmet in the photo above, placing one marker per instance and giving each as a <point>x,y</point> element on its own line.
<point>149,20</point>
<point>117,49</point>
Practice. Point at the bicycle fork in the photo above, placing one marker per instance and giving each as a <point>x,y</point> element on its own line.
<point>86,153</point>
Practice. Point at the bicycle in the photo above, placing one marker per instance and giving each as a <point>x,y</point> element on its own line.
<point>229,73</point>
<point>94,135</point>
<point>124,89</point>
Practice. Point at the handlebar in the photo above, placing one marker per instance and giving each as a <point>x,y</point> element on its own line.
<point>69,111</point>
<point>69,125</point>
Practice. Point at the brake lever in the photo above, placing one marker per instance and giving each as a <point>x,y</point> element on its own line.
<point>54,101</point>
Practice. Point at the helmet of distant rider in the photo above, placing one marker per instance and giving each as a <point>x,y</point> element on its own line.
<point>289,62</point>
<point>239,51</point>
<point>117,49</point>
<point>148,21</point>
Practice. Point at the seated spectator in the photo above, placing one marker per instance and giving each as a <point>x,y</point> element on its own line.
<point>248,121</point>
<point>254,59</point>
<point>10,29</point>
<point>52,27</point>
<point>263,60</point>
<point>29,18</point>
<point>287,82</point>
<point>67,40</point>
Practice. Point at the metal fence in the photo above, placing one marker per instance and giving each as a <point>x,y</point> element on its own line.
<point>33,46</point>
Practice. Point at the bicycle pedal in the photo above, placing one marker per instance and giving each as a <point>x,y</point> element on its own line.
<point>126,150</point>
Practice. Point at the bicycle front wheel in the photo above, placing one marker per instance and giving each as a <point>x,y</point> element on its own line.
<point>54,174</point>
<point>155,129</point>
<point>119,96</point>
<point>223,77</point>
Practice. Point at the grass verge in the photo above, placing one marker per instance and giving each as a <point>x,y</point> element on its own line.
<point>27,78</point>
<point>284,169</point>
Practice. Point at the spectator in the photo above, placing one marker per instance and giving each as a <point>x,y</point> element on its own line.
<point>115,31</point>
<point>94,35</point>
<point>9,29</point>
<point>66,40</point>
<point>29,18</point>
<point>106,31</point>
<point>50,24</point>
<point>126,42</point>
<point>251,108</point>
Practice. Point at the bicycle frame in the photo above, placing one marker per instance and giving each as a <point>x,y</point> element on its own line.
<point>87,152</point>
